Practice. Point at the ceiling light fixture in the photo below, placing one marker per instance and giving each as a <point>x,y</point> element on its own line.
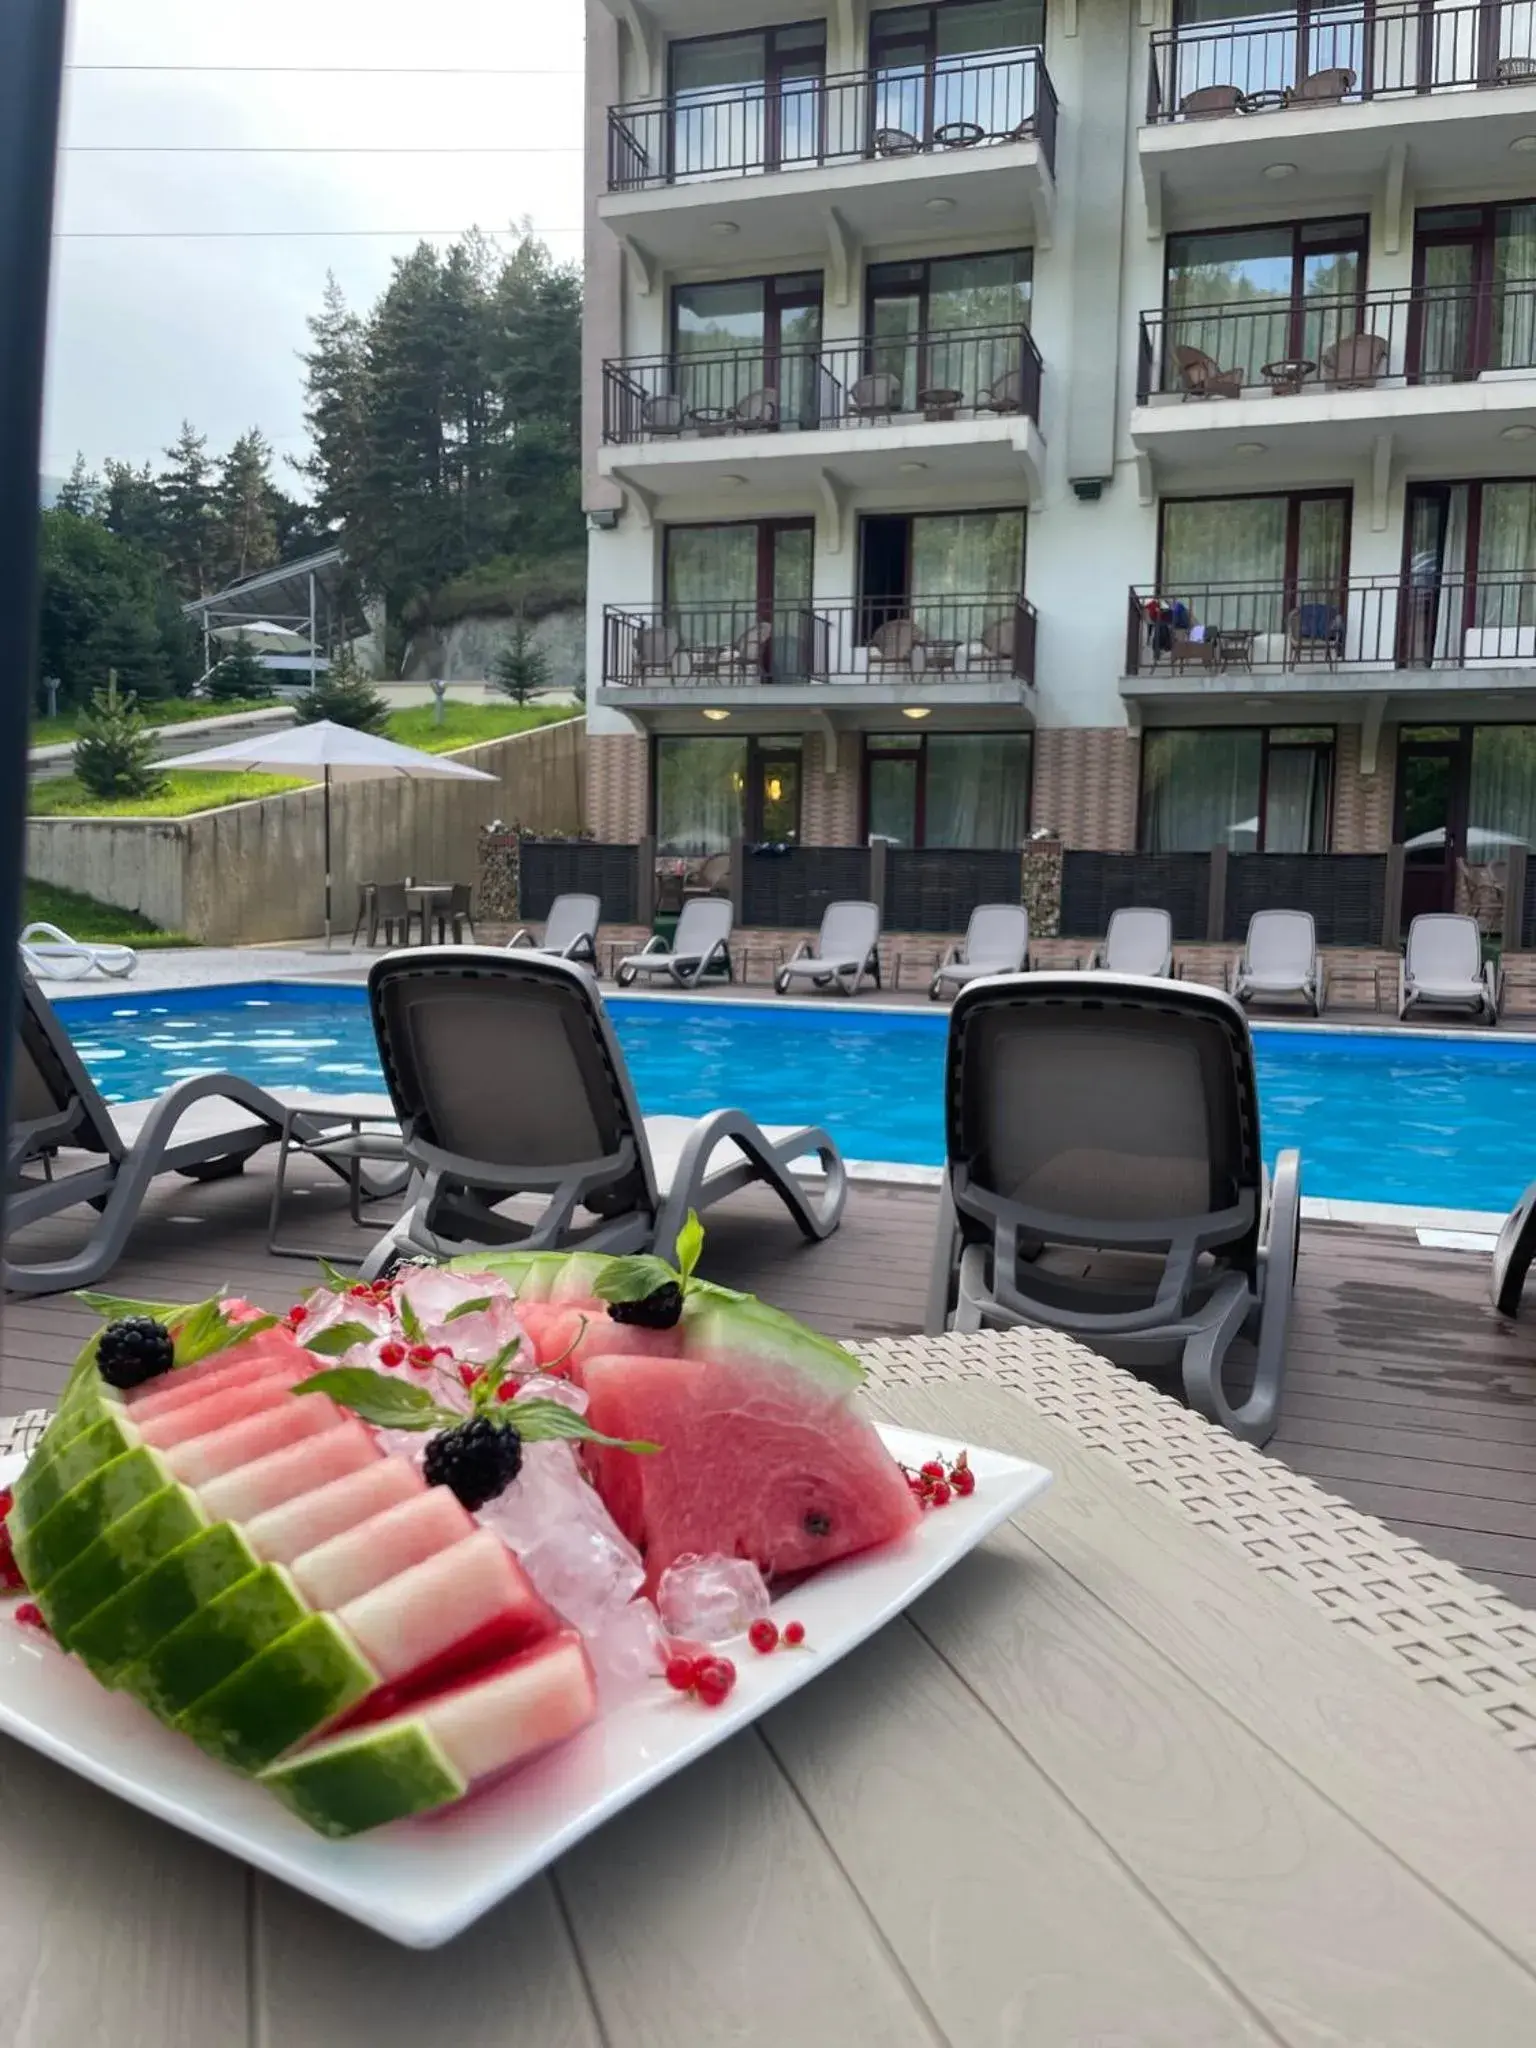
<point>1275,172</point>
<point>733,480</point>
<point>916,711</point>
<point>1518,432</point>
<point>940,204</point>
<point>912,468</point>
<point>1250,448</point>
<point>713,715</point>
<point>723,228</point>
<point>1523,144</point>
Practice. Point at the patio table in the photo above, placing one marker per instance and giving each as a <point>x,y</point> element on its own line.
<point>1191,1755</point>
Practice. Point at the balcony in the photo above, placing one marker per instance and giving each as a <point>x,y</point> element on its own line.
<point>882,151</point>
<point>1330,378</point>
<point>1343,92</point>
<point>959,651</point>
<point>1430,635</point>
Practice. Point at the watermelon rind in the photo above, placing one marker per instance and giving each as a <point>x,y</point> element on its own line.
<point>43,1548</point>
<point>216,1642</point>
<point>128,1546</point>
<point>363,1781</point>
<point>55,1471</point>
<point>129,1625</point>
<point>746,1331</point>
<point>286,1692</point>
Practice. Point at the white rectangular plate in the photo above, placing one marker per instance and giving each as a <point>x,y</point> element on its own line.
<point>421,1882</point>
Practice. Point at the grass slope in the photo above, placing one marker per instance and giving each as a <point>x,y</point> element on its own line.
<point>48,732</point>
<point>84,918</point>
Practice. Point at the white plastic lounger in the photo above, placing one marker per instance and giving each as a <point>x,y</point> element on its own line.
<point>701,945</point>
<point>570,930</point>
<point>511,1087</point>
<point>1279,958</point>
<point>54,956</point>
<point>1137,942</point>
<point>1443,968</point>
<point>847,948</point>
<point>996,942</point>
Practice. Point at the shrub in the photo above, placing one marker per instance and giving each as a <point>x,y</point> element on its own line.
<point>240,674</point>
<point>115,753</point>
<point>522,668</point>
<point>345,696</point>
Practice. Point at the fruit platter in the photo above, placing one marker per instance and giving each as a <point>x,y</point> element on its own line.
<point>400,1592</point>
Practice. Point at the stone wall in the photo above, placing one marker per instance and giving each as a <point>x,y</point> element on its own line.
<point>466,650</point>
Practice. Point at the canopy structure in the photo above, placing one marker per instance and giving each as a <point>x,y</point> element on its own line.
<point>264,636</point>
<point>328,753</point>
<point>308,601</point>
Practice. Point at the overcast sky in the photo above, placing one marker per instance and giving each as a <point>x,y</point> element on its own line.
<point>153,325</point>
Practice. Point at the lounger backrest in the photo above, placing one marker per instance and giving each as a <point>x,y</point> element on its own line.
<point>50,1079</point>
<point>501,1064</point>
<point>1444,948</point>
<point>571,918</point>
<point>997,936</point>
<point>1282,942</point>
<point>849,931</point>
<point>705,921</point>
<point>1138,942</point>
<point>1092,1100</point>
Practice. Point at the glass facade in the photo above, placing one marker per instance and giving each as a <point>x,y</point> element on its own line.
<point>1252,789</point>
<point>947,789</point>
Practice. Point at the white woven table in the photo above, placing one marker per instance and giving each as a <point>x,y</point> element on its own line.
<point>1190,1756</point>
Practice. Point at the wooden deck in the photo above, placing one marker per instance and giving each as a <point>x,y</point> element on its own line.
<point>1407,1395</point>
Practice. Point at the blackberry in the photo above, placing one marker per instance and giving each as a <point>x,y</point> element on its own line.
<point>134,1350</point>
<point>475,1460</point>
<point>659,1311</point>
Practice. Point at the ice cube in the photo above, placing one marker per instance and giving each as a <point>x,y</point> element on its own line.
<point>567,1541</point>
<point>433,1292</point>
<point>628,1652</point>
<point>712,1598</point>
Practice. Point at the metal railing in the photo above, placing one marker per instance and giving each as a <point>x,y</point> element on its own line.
<point>740,131</point>
<point>1336,56</point>
<point>1429,334</point>
<point>934,640</point>
<point>1427,619</point>
<point>959,373</point>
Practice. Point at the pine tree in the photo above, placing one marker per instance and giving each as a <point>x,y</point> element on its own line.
<point>131,507</point>
<point>126,643</point>
<point>336,409</point>
<point>246,531</point>
<point>115,753</point>
<point>80,492</point>
<point>522,668</point>
<point>187,504</point>
<point>345,696</point>
<point>240,674</point>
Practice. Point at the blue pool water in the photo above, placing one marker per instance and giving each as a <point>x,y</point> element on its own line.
<point>1378,1117</point>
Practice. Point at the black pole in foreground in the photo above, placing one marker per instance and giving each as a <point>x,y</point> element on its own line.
<point>31,74</point>
<point>327,855</point>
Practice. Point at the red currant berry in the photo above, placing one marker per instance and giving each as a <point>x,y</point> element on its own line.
<point>11,1580</point>
<point>508,1390</point>
<point>713,1680</point>
<point>421,1354</point>
<point>5,1502</point>
<point>29,1615</point>
<point>298,1314</point>
<point>794,1634</point>
<point>680,1673</point>
<point>763,1636</point>
<point>940,1495</point>
<point>391,1354</point>
<point>963,1480</point>
<point>468,1374</point>
<point>933,1469</point>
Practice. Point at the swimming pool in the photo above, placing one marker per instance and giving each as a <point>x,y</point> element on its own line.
<point>1379,1117</point>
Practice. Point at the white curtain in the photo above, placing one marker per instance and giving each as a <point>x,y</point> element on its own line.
<point>978,789</point>
<point>1501,803</point>
<point>1201,789</point>
<point>700,794</point>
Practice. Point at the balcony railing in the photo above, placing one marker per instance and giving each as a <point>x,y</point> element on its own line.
<point>1337,55</point>
<point>1429,619</point>
<point>935,641</point>
<point>1430,334</point>
<point>963,373</point>
<point>738,131</point>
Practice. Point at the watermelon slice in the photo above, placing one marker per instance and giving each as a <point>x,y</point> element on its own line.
<point>284,1533</point>
<point>216,1410</point>
<point>376,1550</point>
<point>273,1352</point>
<point>242,1443</point>
<point>283,1475</point>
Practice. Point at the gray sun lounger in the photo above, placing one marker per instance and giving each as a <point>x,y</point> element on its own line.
<point>66,1146</point>
<point>846,949</point>
<point>1104,1178</point>
<point>509,1083</point>
<point>700,946</point>
<point>570,930</point>
<point>1280,958</point>
<point>1137,942</point>
<point>996,942</point>
<point>1443,968</point>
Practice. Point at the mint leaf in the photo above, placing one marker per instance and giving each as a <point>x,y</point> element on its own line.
<point>387,1403</point>
<point>113,1307</point>
<point>410,1322</point>
<point>690,1242</point>
<point>468,1308</point>
<point>337,1281</point>
<point>633,1279</point>
<point>207,1330</point>
<point>338,1338</point>
<point>538,1422</point>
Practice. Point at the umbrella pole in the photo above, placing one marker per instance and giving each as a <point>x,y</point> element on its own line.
<point>327,859</point>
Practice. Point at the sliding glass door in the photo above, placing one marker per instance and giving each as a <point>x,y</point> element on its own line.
<point>913,307</point>
<point>952,574</point>
<point>1250,296</point>
<point>1471,574</point>
<point>947,789</point>
<point>958,63</point>
<point>750,346</point>
<point>748,102</point>
<point>739,596</point>
<point>1248,564</point>
<point>1475,283</point>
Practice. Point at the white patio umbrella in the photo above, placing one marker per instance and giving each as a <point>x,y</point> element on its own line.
<point>324,753</point>
<point>263,637</point>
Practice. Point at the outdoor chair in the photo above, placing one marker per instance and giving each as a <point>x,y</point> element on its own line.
<point>53,954</point>
<point>1200,376</point>
<point>1105,1178</point>
<point>660,655</point>
<point>1314,632</point>
<point>876,396</point>
<point>1514,71</point>
<point>1137,942</point>
<point>1280,958</point>
<point>846,949</point>
<point>662,415</point>
<point>700,946</point>
<point>570,930</point>
<point>1321,88</point>
<point>66,1147</point>
<point>743,659</point>
<point>367,912</point>
<point>896,142</point>
<point>391,913</point>
<point>509,1083</point>
<point>1005,394</point>
<point>997,648</point>
<point>1443,968</point>
<point>1209,102</point>
<point>456,915</point>
<point>897,647</point>
<point>1512,1254</point>
<point>996,942</point>
<point>1353,363</point>
<point>757,413</point>
<point>1185,651</point>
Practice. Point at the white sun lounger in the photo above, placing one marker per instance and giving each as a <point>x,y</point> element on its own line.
<point>1443,968</point>
<point>701,945</point>
<point>570,930</point>
<point>54,956</point>
<point>1137,942</point>
<point>847,948</point>
<point>996,942</point>
<point>1279,958</point>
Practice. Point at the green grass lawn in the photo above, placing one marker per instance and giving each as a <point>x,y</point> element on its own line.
<point>466,725</point>
<point>84,918</point>
<point>48,732</point>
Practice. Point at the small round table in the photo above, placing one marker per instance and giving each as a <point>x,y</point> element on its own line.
<point>938,401</point>
<point>1287,375</point>
<point>1260,102</point>
<point>959,135</point>
<point>711,419</point>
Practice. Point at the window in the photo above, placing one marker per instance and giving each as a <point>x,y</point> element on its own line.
<point>947,789</point>
<point>753,334</point>
<point>959,296</point>
<point>935,66</point>
<point>1248,788</point>
<point>1246,564</point>
<point>1250,296</point>
<point>738,596</point>
<point>747,102</point>
<point>1270,48</point>
<point>951,573</point>
<point>1474,269</point>
<point>708,792</point>
<point>1471,573</point>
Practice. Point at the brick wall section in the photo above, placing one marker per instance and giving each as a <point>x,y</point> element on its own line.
<point>1086,786</point>
<point>617,793</point>
<point>1362,804</point>
<point>829,804</point>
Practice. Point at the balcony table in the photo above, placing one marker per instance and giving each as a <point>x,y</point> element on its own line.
<point>959,135</point>
<point>711,419</point>
<point>1192,1755</point>
<point>1288,374</point>
<point>938,401</point>
<point>1260,102</point>
<point>1234,646</point>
